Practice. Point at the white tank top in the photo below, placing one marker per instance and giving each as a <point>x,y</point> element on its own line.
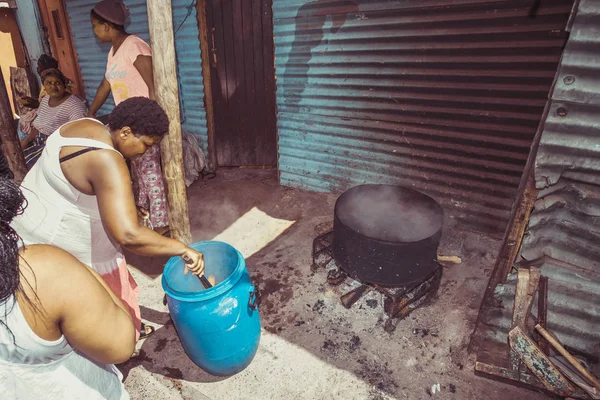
<point>34,368</point>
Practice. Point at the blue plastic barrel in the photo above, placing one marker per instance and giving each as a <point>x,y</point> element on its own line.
<point>219,327</point>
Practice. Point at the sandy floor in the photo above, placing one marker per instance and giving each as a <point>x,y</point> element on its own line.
<point>311,346</point>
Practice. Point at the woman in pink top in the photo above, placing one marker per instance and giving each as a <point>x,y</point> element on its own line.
<point>129,74</point>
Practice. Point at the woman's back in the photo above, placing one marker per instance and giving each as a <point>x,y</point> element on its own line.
<point>36,360</point>
<point>61,215</point>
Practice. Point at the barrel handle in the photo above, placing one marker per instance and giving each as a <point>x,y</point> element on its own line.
<point>254,300</point>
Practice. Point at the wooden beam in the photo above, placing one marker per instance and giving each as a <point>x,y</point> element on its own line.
<point>162,38</point>
<point>11,146</point>
<point>527,283</point>
<point>203,30</point>
<point>519,219</point>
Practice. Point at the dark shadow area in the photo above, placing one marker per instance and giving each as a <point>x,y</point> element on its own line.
<point>309,33</point>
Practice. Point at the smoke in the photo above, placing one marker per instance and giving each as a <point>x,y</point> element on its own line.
<point>390,213</point>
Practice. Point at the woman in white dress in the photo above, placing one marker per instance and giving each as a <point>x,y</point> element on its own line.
<point>50,308</point>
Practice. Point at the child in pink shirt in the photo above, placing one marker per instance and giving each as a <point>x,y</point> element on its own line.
<point>125,80</point>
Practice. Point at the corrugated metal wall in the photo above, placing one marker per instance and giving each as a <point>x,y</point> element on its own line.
<point>565,222</point>
<point>93,54</point>
<point>443,96</point>
<point>563,234</point>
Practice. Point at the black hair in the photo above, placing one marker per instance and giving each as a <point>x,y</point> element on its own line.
<point>11,200</point>
<point>55,73</point>
<point>144,117</point>
<point>12,203</point>
<point>46,62</point>
<point>97,17</point>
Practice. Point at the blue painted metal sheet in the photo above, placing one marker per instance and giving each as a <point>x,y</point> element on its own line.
<point>441,96</point>
<point>92,56</point>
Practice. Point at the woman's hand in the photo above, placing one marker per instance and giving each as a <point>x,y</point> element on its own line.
<point>194,261</point>
<point>29,139</point>
<point>29,102</point>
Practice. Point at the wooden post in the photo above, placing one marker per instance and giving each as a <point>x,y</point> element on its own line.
<point>9,137</point>
<point>160,22</point>
<point>207,77</point>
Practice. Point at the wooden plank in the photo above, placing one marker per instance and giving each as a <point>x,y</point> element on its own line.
<point>243,144</point>
<point>251,109</point>
<point>519,218</point>
<point>510,374</point>
<point>205,50</point>
<point>160,22</point>
<point>559,347</point>
<point>229,81</point>
<point>11,146</point>
<point>538,363</point>
<point>527,283</point>
<point>269,127</point>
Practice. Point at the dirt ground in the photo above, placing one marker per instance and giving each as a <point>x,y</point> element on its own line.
<point>311,346</point>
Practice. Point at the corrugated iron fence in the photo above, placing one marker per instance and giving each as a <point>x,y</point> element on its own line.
<point>565,223</point>
<point>92,56</point>
<point>442,96</point>
<point>563,234</point>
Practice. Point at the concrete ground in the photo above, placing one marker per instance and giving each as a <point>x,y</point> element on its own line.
<point>311,346</point>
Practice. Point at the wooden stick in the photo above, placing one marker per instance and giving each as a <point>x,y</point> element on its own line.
<point>160,22</point>
<point>9,137</point>
<point>449,259</point>
<point>574,377</point>
<point>559,347</point>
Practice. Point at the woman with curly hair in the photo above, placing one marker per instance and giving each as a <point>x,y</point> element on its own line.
<point>80,197</point>
<point>50,307</point>
<point>128,74</point>
<point>55,109</point>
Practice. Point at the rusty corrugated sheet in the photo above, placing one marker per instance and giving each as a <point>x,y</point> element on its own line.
<point>443,96</point>
<point>563,233</point>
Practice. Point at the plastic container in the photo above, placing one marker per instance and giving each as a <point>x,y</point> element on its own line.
<point>219,327</point>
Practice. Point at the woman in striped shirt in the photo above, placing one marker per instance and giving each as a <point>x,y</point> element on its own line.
<point>55,110</point>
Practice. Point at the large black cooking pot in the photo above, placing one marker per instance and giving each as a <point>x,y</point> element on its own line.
<point>386,235</point>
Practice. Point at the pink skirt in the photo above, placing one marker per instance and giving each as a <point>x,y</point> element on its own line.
<point>124,286</point>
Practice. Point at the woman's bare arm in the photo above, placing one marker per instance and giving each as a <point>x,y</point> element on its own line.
<point>101,96</point>
<point>111,183</point>
<point>144,66</point>
<point>73,300</point>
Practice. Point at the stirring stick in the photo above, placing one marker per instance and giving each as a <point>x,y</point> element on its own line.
<point>205,282</point>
